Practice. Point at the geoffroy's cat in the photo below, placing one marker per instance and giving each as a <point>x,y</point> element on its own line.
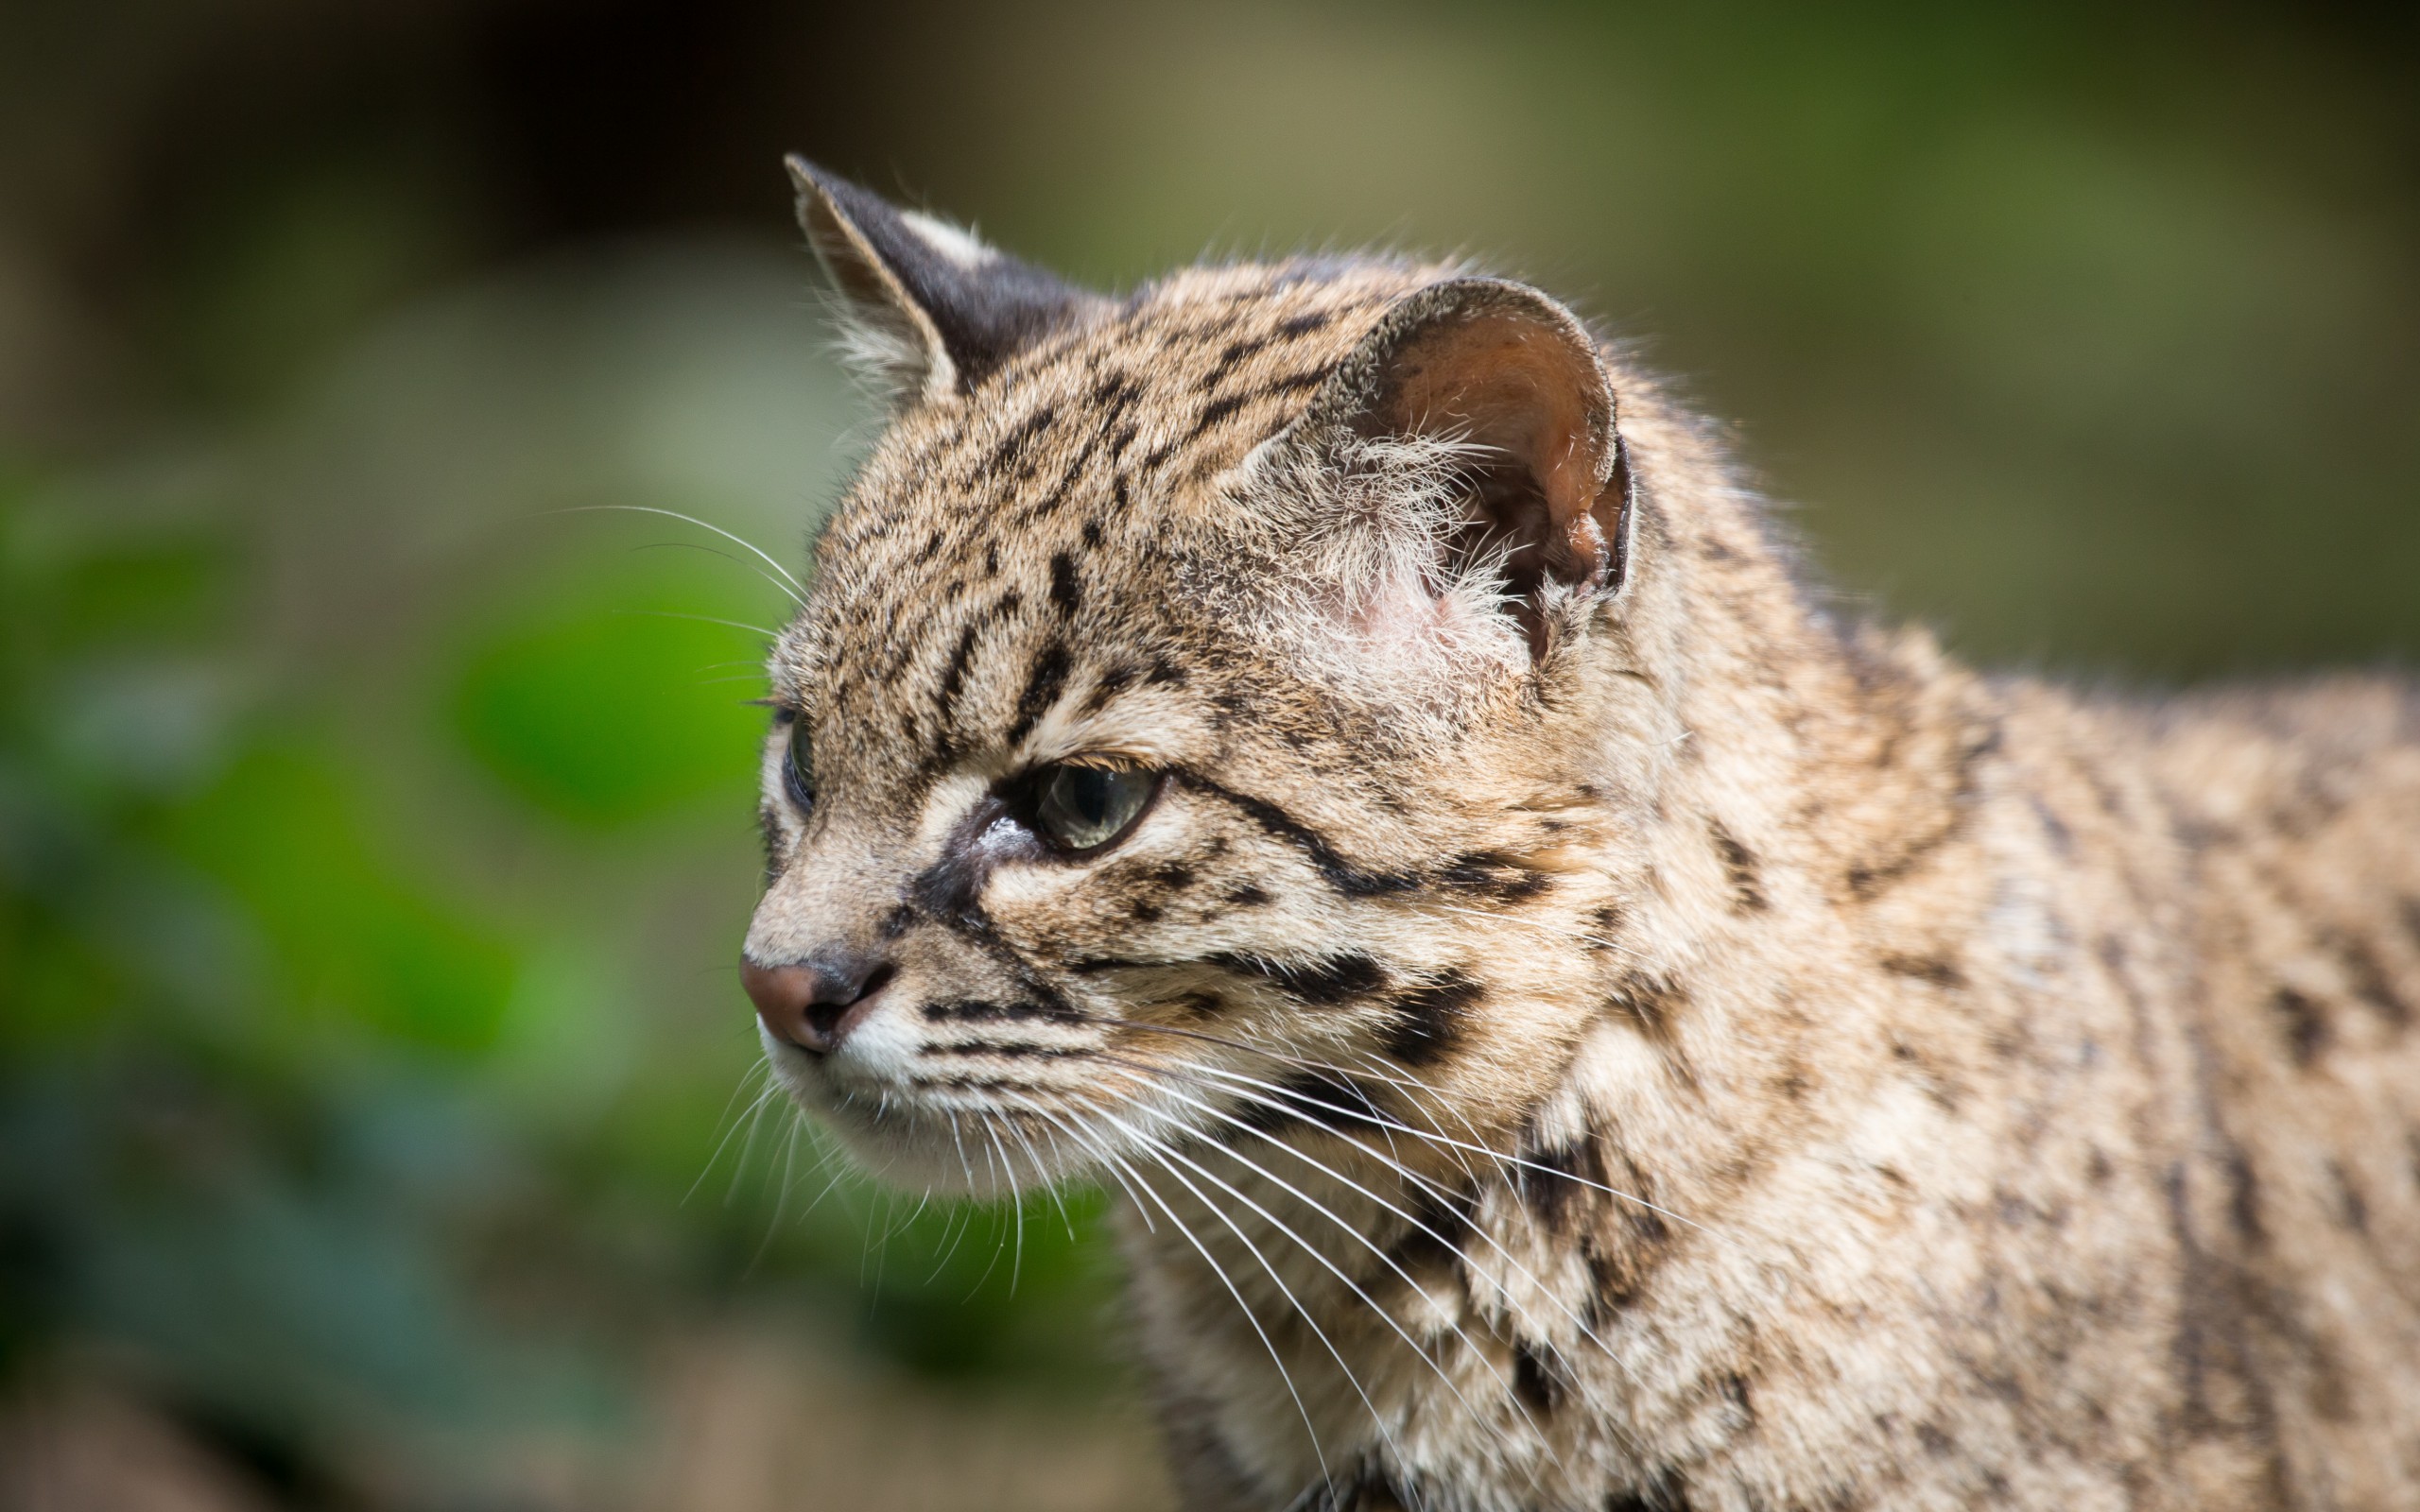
<point>1329,750</point>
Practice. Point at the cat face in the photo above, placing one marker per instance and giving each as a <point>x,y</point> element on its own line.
<point>1180,738</point>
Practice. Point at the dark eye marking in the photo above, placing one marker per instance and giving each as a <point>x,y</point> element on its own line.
<point>1343,874</point>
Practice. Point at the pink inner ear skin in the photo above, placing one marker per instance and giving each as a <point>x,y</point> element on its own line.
<point>1530,390</point>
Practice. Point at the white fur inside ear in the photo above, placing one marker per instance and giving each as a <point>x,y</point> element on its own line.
<point>1357,532</point>
<point>959,245</point>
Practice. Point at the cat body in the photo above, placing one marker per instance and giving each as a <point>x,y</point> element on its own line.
<point>1572,1024</point>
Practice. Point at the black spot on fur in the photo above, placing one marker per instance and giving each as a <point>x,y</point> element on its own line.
<point>1247,896</point>
<point>1115,393</point>
<point>1302,325</point>
<point>1940,973</point>
<point>2352,1209</point>
<point>1495,876</point>
<point>2243,1200</point>
<point>1041,688</point>
<point>2301,1023</point>
<point>1112,682</point>
<point>1012,446</point>
<point>1233,353</point>
<point>1064,591</point>
<point>1538,1377</point>
<point>1324,982</point>
<point>1740,865</point>
<point>1439,1226</point>
<point>1559,1182</point>
<point>1217,410</point>
<point>1734,1387</point>
<point>1653,1003</point>
<point>1661,1495</point>
<point>1429,1019</point>
<point>1091,535</point>
<point>2369,981</point>
<point>1292,383</point>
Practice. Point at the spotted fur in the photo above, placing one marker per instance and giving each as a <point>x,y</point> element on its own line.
<point>1581,1025</point>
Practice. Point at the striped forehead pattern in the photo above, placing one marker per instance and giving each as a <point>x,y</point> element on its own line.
<point>1040,504</point>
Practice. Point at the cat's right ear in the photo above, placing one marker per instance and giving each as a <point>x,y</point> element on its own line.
<point>931,311</point>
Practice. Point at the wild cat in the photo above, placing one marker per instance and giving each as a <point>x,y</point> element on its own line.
<point>1329,750</point>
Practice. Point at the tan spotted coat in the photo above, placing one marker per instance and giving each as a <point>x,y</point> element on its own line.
<point>1580,1024</point>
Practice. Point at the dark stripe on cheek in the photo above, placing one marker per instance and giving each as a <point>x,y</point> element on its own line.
<point>1337,1103</point>
<point>983,1010</point>
<point>1323,982</point>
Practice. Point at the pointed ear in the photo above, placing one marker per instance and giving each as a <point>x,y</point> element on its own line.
<point>1509,372</point>
<point>931,311</point>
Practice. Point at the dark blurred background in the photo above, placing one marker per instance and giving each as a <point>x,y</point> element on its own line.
<point>377,1128</point>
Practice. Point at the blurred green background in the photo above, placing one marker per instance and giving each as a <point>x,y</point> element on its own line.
<point>377,1125</point>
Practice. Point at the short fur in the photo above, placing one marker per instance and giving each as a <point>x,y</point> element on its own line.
<point>1675,1050</point>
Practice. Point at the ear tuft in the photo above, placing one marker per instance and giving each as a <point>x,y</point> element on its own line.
<point>1513,380</point>
<point>931,310</point>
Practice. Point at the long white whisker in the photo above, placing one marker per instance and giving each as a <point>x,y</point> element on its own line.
<point>1411,1218</point>
<point>1318,1451</point>
<point>701,619</point>
<point>1167,1151</point>
<point>796,589</point>
<point>1373,1117</point>
<point>731,1126</point>
<point>1160,1154</point>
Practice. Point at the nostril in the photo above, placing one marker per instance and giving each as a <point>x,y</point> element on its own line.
<point>815,1003</point>
<point>834,1015</point>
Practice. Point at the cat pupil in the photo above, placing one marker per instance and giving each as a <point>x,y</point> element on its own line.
<point>1083,807</point>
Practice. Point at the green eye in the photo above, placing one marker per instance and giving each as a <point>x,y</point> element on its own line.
<point>798,767</point>
<point>1084,808</point>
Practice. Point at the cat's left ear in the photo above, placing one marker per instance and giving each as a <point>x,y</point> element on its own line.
<point>1509,372</point>
<point>931,311</point>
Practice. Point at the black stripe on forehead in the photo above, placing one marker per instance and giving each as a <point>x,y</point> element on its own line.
<point>1045,682</point>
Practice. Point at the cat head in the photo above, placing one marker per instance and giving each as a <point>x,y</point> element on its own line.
<point>1218,713</point>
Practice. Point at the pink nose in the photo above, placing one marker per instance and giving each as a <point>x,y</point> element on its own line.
<point>813,1004</point>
